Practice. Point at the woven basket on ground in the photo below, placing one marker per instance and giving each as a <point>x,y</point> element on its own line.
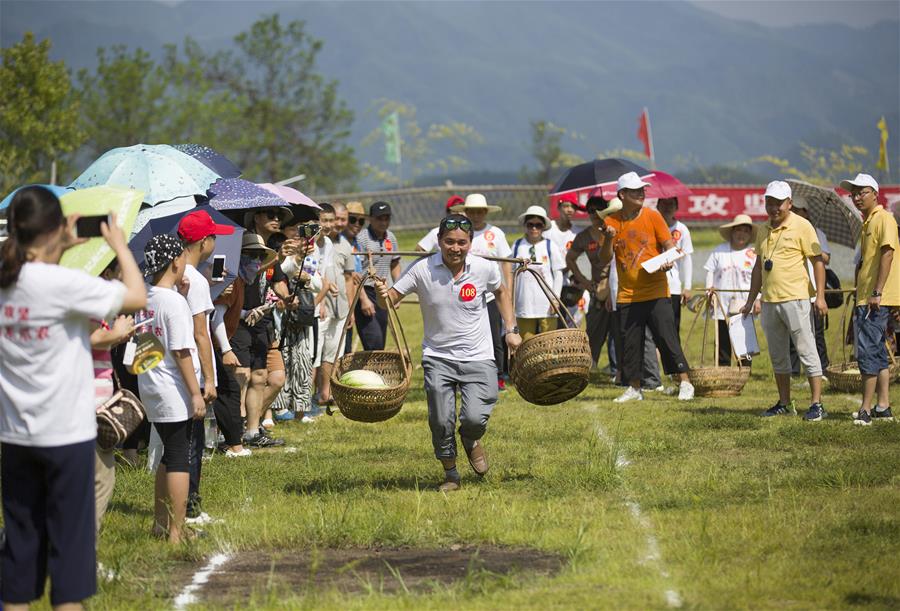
<point>373,404</point>
<point>715,381</point>
<point>553,367</point>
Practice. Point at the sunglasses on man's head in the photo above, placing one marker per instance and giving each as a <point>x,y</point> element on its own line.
<point>451,224</point>
<point>356,220</point>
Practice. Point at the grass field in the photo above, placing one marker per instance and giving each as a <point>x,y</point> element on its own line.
<point>699,505</point>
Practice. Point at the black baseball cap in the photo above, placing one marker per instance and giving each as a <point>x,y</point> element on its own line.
<point>379,209</point>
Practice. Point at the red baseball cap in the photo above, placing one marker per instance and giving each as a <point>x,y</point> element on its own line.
<point>454,200</point>
<point>198,224</point>
<point>571,198</point>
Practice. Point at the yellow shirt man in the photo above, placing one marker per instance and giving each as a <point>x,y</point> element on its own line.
<point>788,246</point>
<point>878,230</point>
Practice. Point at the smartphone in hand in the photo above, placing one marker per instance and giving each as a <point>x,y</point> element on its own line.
<point>218,268</point>
<point>89,226</point>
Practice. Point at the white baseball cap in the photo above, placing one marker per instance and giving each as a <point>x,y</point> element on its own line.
<point>631,180</point>
<point>861,180</point>
<point>778,189</point>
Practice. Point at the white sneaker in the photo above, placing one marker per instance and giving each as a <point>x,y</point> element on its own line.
<point>229,453</point>
<point>630,394</point>
<point>306,419</point>
<point>268,424</point>
<point>202,519</point>
<point>685,391</point>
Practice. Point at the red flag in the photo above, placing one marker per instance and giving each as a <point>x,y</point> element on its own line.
<point>643,133</point>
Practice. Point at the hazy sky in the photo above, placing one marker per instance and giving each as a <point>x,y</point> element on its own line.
<point>857,13</point>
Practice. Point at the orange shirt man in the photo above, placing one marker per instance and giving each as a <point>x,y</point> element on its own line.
<point>637,234</point>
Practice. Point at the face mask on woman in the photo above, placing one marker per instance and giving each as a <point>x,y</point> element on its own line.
<point>248,269</point>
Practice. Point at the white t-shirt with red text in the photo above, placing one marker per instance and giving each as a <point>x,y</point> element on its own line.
<point>46,369</point>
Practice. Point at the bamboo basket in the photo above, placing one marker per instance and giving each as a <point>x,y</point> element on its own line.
<point>715,381</point>
<point>553,367</point>
<point>373,404</point>
<point>845,376</point>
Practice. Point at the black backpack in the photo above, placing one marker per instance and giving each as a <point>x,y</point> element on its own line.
<point>833,300</point>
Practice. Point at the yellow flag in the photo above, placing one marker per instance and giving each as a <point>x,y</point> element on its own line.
<point>882,151</point>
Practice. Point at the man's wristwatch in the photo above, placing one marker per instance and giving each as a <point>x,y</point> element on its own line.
<point>876,293</point>
<point>513,330</point>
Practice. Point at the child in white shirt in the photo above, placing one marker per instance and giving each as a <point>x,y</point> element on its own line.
<point>171,390</point>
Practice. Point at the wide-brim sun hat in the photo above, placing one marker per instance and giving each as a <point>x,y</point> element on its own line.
<point>535,211</point>
<point>254,241</point>
<point>741,219</point>
<point>475,201</point>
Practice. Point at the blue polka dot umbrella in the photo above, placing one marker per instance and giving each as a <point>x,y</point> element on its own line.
<point>215,161</point>
<point>239,194</point>
<point>162,172</point>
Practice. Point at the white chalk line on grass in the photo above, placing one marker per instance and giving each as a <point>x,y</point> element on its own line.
<point>188,595</point>
<point>652,554</point>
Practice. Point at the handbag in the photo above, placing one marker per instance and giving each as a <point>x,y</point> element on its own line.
<point>304,315</point>
<point>118,417</point>
<point>570,295</point>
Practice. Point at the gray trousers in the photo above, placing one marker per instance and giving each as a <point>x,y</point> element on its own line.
<point>476,382</point>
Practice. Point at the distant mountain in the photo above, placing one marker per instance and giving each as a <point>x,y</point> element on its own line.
<point>718,90</point>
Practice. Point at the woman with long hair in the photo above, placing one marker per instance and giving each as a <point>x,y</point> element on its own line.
<point>47,416</point>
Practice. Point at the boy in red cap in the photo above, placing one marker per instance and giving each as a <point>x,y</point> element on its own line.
<point>198,232</point>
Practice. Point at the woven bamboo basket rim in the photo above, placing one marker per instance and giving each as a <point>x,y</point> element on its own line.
<point>714,373</point>
<point>355,402</point>
<point>560,354</point>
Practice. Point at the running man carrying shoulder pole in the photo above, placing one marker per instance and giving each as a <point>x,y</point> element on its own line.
<point>457,350</point>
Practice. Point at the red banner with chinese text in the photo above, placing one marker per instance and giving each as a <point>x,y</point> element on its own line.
<point>719,203</point>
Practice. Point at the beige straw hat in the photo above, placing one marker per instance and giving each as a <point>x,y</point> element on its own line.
<point>741,219</point>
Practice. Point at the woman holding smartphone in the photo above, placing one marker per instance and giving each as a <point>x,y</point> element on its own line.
<point>47,416</point>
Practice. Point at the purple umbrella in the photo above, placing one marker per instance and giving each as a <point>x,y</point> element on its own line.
<point>215,161</point>
<point>239,194</point>
<point>290,195</point>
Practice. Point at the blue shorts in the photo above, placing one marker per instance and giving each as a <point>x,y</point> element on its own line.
<point>48,515</point>
<point>871,334</point>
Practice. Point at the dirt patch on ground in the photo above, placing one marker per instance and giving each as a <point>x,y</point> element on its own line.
<point>388,570</point>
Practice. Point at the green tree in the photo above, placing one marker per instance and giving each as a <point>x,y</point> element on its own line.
<point>288,118</point>
<point>435,149</point>
<point>824,167</point>
<point>38,113</point>
<point>547,150</point>
<point>123,100</point>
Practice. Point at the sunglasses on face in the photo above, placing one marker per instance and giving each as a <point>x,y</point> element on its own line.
<point>356,220</point>
<point>255,255</point>
<point>534,225</point>
<point>270,214</point>
<point>451,224</point>
<point>861,193</point>
<point>308,230</point>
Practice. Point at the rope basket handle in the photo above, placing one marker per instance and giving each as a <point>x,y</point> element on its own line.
<point>708,304</point>
<point>402,349</point>
<point>559,310</point>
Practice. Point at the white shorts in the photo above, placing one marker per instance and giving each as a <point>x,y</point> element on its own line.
<point>330,332</point>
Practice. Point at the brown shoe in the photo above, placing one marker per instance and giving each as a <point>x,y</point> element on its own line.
<point>449,485</point>
<point>478,459</point>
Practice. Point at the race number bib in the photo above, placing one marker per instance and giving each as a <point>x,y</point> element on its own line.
<point>467,292</point>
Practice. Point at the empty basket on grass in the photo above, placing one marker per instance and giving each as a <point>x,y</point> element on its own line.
<point>373,404</point>
<point>555,366</point>
<point>715,381</point>
<point>845,376</point>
